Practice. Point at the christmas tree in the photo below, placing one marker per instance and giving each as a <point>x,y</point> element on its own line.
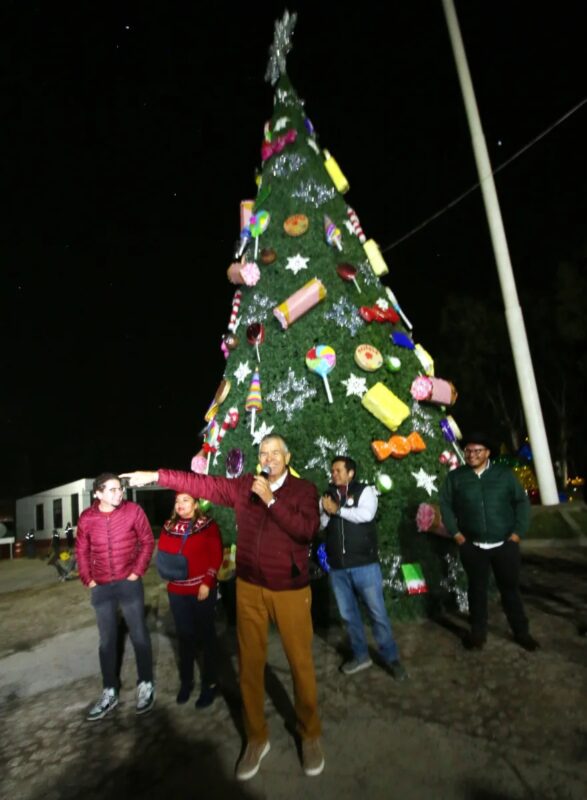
<point>319,350</point>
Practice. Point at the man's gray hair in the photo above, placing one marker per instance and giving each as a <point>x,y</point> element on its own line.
<point>274,436</point>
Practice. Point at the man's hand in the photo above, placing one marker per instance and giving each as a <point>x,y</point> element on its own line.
<point>203,591</point>
<point>91,584</point>
<point>329,505</point>
<point>459,538</point>
<point>514,538</point>
<point>261,488</point>
<point>132,577</point>
<point>140,478</point>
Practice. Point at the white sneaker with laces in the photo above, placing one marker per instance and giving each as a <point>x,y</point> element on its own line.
<point>145,697</point>
<point>104,705</point>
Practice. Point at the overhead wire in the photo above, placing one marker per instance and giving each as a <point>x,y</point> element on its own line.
<point>475,186</point>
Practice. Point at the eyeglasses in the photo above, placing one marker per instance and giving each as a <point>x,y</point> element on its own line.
<point>474,451</point>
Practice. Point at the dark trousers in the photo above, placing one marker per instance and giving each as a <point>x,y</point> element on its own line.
<point>129,597</point>
<point>195,626</point>
<point>505,562</point>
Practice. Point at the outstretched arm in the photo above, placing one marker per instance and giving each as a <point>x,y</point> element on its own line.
<point>140,478</point>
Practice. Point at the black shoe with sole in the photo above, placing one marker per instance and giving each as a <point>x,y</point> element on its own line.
<point>184,693</point>
<point>527,642</point>
<point>474,641</point>
<point>207,696</point>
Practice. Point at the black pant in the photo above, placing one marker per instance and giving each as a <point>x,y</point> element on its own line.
<point>505,562</point>
<point>129,596</point>
<point>194,623</point>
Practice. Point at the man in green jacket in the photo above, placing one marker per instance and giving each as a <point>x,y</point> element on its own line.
<point>486,511</point>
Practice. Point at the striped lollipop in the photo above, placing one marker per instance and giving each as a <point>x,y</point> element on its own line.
<point>254,402</point>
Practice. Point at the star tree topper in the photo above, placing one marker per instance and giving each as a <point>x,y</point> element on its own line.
<point>283,31</point>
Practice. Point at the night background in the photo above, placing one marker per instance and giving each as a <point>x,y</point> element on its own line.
<point>131,132</point>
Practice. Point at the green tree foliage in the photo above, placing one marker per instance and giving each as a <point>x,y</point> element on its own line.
<point>294,181</point>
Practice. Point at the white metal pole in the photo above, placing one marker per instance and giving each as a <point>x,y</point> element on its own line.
<point>513,312</point>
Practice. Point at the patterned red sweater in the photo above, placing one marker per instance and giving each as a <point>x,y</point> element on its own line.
<point>202,548</point>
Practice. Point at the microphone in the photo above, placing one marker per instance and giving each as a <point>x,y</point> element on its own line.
<point>265,472</point>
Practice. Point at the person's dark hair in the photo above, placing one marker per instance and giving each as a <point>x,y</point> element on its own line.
<point>478,437</point>
<point>175,516</point>
<point>349,463</point>
<point>102,480</point>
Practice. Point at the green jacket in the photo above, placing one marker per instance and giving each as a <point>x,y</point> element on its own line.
<point>488,508</point>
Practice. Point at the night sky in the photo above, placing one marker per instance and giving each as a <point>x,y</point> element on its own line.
<point>131,131</point>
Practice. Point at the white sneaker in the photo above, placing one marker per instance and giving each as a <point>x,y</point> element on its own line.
<point>104,705</point>
<point>145,697</point>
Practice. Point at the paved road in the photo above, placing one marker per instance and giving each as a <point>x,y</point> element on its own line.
<point>502,724</point>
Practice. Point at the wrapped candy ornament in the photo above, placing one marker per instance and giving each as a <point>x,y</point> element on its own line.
<point>376,260</point>
<point>246,211</point>
<point>433,390</point>
<point>398,446</point>
<point>247,273</point>
<point>335,172</point>
<point>385,406</point>
<point>300,302</point>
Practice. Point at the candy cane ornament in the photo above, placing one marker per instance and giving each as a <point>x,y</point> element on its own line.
<point>229,421</point>
<point>234,318</point>
<point>356,224</point>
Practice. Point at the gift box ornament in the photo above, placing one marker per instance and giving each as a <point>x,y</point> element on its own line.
<point>433,390</point>
<point>386,406</point>
<point>414,579</point>
<point>398,446</point>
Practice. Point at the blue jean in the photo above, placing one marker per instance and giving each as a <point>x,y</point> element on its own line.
<point>365,583</point>
<point>129,597</point>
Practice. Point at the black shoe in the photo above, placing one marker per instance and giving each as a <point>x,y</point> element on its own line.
<point>474,641</point>
<point>397,671</point>
<point>207,696</point>
<point>184,693</point>
<point>527,642</point>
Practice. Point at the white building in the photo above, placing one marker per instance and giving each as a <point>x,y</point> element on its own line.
<point>54,508</point>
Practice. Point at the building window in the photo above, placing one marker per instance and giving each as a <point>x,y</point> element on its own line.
<point>74,508</point>
<point>57,513</point>
<point>40,517</point>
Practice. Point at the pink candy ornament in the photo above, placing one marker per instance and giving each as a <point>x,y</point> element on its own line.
<point>199,464</point>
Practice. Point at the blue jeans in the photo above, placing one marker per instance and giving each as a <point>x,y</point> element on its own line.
<point>365,583</point>
<point>127,595</point>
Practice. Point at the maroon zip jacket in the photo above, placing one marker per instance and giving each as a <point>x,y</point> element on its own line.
<point>273,544</point>
<point>112,545</point>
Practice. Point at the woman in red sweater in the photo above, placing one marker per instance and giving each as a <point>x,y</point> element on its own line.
<point>193,601</point>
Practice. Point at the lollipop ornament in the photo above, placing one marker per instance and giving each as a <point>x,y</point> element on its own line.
<point>348,273</point>
<point>332,233</point>
<point>321,359</point>
<point>451,432</point>
<point>256,336</point>
<point>258,225</point>
<point>254,402</point>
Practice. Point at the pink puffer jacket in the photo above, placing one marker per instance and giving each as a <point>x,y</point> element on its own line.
<point>111,546</point>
